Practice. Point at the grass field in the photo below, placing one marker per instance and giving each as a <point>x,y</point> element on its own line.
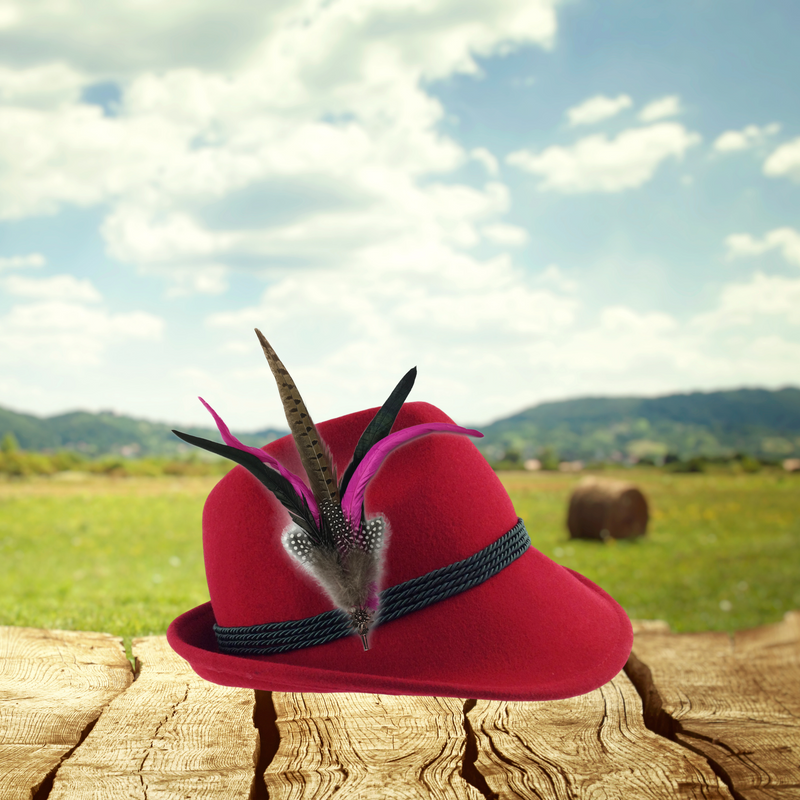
<point>125,555</point>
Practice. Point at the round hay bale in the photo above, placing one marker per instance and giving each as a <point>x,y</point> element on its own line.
<point>601,508</point>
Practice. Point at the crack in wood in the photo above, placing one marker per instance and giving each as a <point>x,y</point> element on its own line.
<point>269,739</point>
<point>469,770</point>
<point>154,738</point>
<point>719,771</point>
<point>46,786</point>
<point>665,725</point>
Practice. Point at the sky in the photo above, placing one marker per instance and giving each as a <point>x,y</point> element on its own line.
<point>529,200</point>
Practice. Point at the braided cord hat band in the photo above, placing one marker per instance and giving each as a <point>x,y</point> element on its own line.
<point>396,601</point>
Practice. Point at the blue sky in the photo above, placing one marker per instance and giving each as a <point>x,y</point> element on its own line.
<point>528,199</point>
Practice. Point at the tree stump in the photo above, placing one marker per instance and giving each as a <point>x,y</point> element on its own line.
<point>601,508</point>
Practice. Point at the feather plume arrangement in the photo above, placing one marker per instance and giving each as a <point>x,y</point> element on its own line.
<point>329,536</point>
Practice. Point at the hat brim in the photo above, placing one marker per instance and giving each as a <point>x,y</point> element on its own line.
<point>534,631</point>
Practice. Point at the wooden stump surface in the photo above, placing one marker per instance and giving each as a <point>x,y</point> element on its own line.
<point>171,735</point>
<point>592,746</point>
<point>735,700</point>
<point>693,716</point>
<point>53,687</point>
<point>366,746</point>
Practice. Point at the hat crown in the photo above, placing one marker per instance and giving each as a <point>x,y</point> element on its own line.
<point>440,498</point>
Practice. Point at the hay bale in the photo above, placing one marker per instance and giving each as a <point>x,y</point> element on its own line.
<point>601,508</point>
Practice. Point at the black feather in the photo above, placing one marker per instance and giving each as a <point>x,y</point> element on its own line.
<point>381,424</point>
<point>279,486</point>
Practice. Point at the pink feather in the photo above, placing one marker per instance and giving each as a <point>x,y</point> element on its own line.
<point>354,494</point>
<point>296,482</point>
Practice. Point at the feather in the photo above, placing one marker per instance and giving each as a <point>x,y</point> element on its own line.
<point>349,587</point>
<point>351,581</point>
<point>353,498</point>
<point>381,424</point>
<point>313,453</point>
<point>281,487</point>
<point>330,536</point>
<point>232,441</point>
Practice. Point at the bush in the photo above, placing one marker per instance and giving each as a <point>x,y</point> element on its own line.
<point>67,461</point>
<point>749,464</point>
<point>549,459</point>
<point>14,464</point>
<point>20,464</point>
<point>190,467</point>
<point>694,464</point>
<point>9,444</point>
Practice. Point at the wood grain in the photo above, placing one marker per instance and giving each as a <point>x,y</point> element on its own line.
<point>735,699</point>
<point>171,735</point>
<point>368,746</point>
<point>591,746</point>
<point>53,686</point>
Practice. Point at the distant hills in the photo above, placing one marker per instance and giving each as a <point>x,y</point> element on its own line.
<point>759,422</point>
<point>107,432</point>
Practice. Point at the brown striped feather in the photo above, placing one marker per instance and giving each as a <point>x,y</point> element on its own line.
<point>313,452</point>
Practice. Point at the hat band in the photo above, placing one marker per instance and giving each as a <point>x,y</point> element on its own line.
<point>396,601</point>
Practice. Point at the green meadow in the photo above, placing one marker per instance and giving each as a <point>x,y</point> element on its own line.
<point>124,555</point>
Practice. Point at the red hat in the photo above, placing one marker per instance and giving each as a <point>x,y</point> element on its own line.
<point>468,607</point>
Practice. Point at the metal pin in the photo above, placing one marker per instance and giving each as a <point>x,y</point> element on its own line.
<point>364,640</point>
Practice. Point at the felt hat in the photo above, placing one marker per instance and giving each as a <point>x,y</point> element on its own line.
<point>523,629</point>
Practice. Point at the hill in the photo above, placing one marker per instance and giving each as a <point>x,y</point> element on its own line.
<point>107,432</point>
<point>760,422</point>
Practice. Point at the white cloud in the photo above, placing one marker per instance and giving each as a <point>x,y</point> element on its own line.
<point>34,260</point>
<point>509,307</point>
<point>486,158</point>
<point>767,356</point>
<point>501,233</point>
<point>43,86</point>
<point>767,296</point>
<point>554,277</point>
<point>385,206</point>
<point>598,108</point>
<point>9,16</point>
<point>63,333</point>
<point>787,240</point>
<point>330,39</point>
<point>619,319</point>
<point>140,235</point>
<point>608,352</point>
<point>629,351</point>
<point>487,338</point>
<point>66,288</point>
<point>663,107</point>
<point>389,310</point>
<point>156,36</point>
<point>310,100</point>
<point>199,279</point>
<point>75,155</point>
<point>597,164</point>
<point>744,139</point>
<point>785,161</point>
